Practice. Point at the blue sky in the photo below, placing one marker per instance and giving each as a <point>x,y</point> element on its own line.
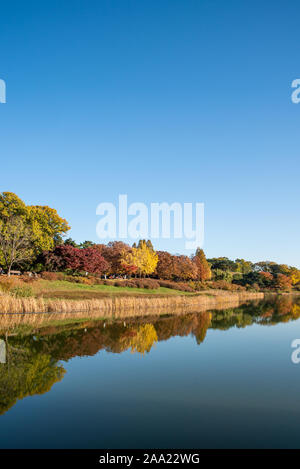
<point>186,101</point>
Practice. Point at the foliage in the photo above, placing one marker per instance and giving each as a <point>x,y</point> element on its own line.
<point>165,266</point>
<point>22,292</point>
<point>203,268</point>
<point>16,242</point>
<point>222,263</point>
<point>114,253</point>
<point>143,258</point>
<point>66,257</point>
<point>25,231</point>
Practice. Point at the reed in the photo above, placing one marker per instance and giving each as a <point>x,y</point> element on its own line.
<point>38,311</point>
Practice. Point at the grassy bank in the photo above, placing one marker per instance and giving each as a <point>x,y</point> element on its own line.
<point>67,290</point>
<point>50,300</point>
<point>113,307</point>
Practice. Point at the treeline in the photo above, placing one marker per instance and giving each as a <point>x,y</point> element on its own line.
<point>117,259</point>
<point>31,239</point>
<point>265,275</point>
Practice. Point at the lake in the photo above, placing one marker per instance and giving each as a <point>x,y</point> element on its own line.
<point>222,379</point>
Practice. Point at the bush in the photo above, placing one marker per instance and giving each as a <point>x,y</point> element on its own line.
<point>80,280</point>
<point>86,281</point>
<point>7,284</point>
<point>197,285</point>
<point>53,276</point>
<point>136,283</point>
<point>98,281</point>
<point>22,292</point>
<point>181,286</point>
<point>223,285</point>
<point>148,283</point>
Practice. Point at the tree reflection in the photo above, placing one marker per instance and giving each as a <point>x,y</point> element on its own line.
<point>29,364</point>
<point>26,373</point>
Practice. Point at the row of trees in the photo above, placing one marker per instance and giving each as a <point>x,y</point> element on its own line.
<point>31,238</point>
<point>264,274</point>
<point>119,259</point>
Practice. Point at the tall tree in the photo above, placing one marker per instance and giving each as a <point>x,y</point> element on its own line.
<point>44,223</point>
<point>184,268</point>
<point>144,258</point>
<point>165,266</point>
<point>203,269</point>
<point>16,242</point>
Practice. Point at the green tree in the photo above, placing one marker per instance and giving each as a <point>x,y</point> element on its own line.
<point>16,242</point>
<point>40,229</point>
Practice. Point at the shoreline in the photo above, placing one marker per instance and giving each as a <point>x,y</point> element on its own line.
<point>37,312</point>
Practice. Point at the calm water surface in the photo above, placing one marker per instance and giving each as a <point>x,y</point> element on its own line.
<point>208,380</point>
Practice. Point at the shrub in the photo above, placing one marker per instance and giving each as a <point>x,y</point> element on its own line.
<point>98,281</point>
<point>80,280</point>
<point>22,292</point>
<point>148,283</point>
<point>53,276</point>
<point>137,283</point>
<point>181,286</point>
<point>86,281</point>
<point>197,285</point>
<point>7,284</point>
<point>223,285</point>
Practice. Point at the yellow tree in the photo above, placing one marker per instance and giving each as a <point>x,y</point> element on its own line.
<point>146,258</point>
<point>294,275</point>
<point>47,226</point>
<point>143,258</point>
<point>40,226</point>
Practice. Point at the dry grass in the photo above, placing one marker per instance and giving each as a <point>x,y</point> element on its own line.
<point>38,311</point>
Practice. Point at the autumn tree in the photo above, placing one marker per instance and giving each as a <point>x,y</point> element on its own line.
<point>114,253</point>
<point>165,266</point>
<point>294,275</point>
<point>92,261</point>
<point>66,257</point>
<point>143,257</point>
<point>283,282</point>
<point>203,269</point>
<point>184,268</point>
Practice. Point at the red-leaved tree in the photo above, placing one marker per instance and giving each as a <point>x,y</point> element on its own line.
<point>66,257</point>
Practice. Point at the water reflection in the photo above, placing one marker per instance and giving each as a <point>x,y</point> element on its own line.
<point>30,363</point>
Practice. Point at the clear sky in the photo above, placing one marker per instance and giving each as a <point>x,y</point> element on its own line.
<point>173,100</point>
